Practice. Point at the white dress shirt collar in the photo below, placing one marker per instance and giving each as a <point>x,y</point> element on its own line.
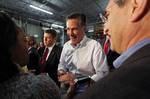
<point>79,44</point>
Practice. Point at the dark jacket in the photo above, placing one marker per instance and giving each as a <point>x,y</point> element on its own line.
<point>33,60</point>
<point>52,62</point>
<point>130,81</point>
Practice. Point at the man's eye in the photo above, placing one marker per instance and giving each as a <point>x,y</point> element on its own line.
<point>67,29</point>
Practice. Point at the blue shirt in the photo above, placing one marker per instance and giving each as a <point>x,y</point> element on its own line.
<point>124,56</point>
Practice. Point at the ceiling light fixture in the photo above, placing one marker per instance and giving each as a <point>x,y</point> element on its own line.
<point>41,9</point>
<point>56,25</point>
<point>90,30</point>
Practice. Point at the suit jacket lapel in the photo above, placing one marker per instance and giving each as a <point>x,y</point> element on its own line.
<point>52,53</point>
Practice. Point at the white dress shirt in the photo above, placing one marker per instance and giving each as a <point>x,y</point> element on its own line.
<point>85,59</point>
<point>49,50</point>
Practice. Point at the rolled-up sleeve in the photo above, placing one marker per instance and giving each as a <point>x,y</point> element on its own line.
<point>99,63</point>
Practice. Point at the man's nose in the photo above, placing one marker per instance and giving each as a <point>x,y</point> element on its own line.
<point>71,32</point>
<point>105,31</point>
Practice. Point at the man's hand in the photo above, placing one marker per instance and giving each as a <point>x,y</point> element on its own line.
<point>67,78</point>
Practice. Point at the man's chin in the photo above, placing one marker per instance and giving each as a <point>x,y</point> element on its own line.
<point>73,42</point>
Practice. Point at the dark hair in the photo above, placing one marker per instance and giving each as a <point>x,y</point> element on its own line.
<point>8,38</point>
<point>8,31</point>
<point>52,32</point>
<point>79,16</point>
<point>31,38</point>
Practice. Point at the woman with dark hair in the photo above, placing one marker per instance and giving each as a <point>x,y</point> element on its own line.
<point>13,55</point>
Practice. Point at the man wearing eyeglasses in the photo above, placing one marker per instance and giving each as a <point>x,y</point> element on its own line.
<point>128,29</point>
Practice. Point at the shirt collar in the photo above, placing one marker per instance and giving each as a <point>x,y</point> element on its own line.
<point>125,55</point>
<point>29,48</point>
<point>51,46</point>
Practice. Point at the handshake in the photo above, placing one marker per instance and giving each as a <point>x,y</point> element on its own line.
<point>67,77</point>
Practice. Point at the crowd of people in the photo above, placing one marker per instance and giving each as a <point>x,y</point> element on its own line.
<point>82,68</point>
<point>13,55</point>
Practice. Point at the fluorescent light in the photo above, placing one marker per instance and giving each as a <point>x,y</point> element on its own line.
<point>45,28</point>
<point>55,25</point>
<point>90,30</point>
<point>40,9</point>
<point>36,35</point>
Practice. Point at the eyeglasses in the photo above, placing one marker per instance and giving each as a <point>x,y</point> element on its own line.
<point>103,18</point>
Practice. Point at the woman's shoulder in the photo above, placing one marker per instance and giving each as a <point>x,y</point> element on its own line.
<point>31,86</point>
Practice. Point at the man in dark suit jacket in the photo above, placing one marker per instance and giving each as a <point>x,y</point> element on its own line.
<point>33,59</point>
<point>130,37</point>
<point>52,59</point>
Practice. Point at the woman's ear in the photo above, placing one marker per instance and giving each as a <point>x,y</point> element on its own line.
<point>138,9</point>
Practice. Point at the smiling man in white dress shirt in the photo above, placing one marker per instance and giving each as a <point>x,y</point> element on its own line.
<point>81,57</point>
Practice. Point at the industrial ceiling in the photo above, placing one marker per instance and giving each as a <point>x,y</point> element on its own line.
<point>59,8</point>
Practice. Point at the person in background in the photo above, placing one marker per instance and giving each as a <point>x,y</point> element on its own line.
<point>13,55</point>
<point>127,27</point>
<point>111,55</point>
<point>82,58</point>
<point>40,48</point>
<point>50,55</point>
<point>33,60</point>
<point>41,45</point>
